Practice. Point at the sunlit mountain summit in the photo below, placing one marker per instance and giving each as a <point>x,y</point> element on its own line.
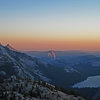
<point>52,54</point>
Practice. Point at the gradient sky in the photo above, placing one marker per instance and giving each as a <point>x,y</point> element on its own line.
<point>50,24</point>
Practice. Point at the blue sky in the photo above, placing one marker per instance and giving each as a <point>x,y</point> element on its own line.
<point>50,19</point>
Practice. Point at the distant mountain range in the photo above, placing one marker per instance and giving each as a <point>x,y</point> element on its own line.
<point>19,69</point>
<point>62,68</point>
<point>78,66</point>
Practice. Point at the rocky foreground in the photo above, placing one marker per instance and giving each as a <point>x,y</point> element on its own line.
<point>25,89</point>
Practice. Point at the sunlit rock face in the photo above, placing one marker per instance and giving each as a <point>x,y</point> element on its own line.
<point>10,47</point>
<point>52,54</point>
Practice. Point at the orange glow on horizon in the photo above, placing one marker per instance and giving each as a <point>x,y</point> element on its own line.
<point>34,43</point>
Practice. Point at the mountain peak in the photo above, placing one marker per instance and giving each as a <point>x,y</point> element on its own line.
<point>0,44</point>
<point>10,47</point>
<point>52,54</point>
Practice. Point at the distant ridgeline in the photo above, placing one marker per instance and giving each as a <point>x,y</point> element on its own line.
<point>60,68</point>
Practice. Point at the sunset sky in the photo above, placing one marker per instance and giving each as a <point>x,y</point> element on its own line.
<point>50,24</point>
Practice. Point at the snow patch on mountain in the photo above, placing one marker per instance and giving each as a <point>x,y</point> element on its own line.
<point>70,69</point>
